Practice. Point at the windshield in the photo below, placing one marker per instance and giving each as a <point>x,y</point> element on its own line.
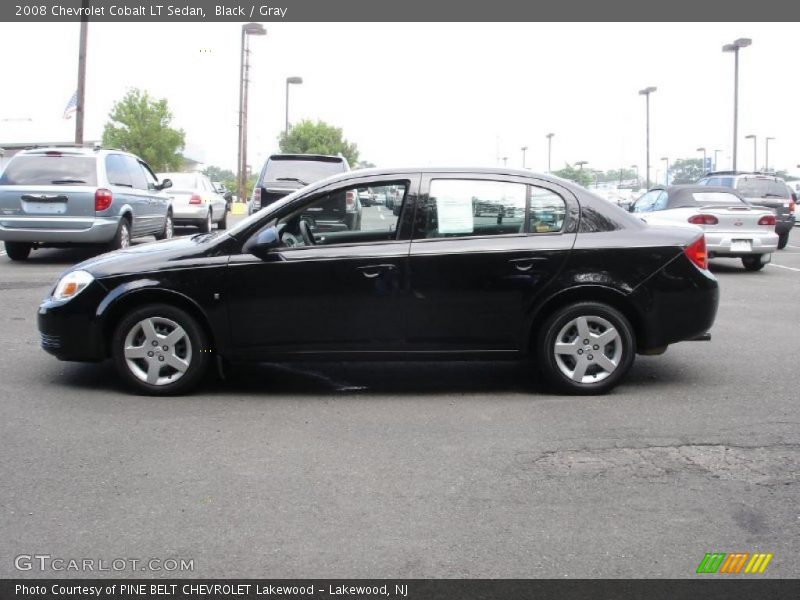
<point>54,169</point>
<point>762,188</point>
<point>306,171</point>
<point>180,181</point>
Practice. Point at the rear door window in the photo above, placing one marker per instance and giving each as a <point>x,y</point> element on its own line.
<point>50,169</point>
<point>117,171</point>
<point>301,171</point>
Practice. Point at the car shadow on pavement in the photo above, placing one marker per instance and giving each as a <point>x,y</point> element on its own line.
<point>272,380</point>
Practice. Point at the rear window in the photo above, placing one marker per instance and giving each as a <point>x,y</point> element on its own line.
<point>716,198</point>
<point>762,188</point>
<point>50,170</point>
<point>306,171</point>
<point>181,181</point>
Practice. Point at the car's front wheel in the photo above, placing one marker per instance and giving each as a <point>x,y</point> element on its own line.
<point>18,250</point>
<point>160,350</point>
<point>169,228</point>
<point>585,348</point>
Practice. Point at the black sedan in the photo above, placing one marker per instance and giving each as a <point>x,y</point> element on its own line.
<point>555,274</point>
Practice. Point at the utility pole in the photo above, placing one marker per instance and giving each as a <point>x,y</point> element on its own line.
<point>80,103</point>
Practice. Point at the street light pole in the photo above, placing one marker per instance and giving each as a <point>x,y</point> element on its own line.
<point>666,170</point>
<point>549,150</point>
<point>524,148</point>
<point>734,47</point>
<point>766,159</point>
<point>646,93</point>
<point>580,164</point>
<point>636,168</point>
<point>703,150</point>
<point>755,150</point>
<point>289,81</point>
<point>715,159</point>
<point>244,79</point>
<point>505,160</point>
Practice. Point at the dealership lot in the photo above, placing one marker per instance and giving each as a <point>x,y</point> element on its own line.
<point>411,470</point>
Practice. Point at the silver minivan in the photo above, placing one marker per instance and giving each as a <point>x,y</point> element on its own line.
<point>64,196</point>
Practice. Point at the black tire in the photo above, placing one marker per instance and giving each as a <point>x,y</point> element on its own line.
<point>223,223</point>
<point>198,358</point>
<point>560,324</point>
<point>169,228</point>
<point>18,250</point>
<point>783,239</point>
<point>205,226</point>
<point>753,263</point>
<point>122,238</point>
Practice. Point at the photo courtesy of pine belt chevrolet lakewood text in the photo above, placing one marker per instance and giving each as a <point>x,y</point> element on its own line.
<point>468,263</point>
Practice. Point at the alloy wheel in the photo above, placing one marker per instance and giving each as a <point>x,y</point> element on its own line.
<point>157,351</point>
<point>588,349</point>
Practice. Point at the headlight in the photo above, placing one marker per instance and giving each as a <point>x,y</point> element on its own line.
<point>72,284</point>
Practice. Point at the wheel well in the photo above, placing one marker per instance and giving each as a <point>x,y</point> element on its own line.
<point>134,300</point>
<point>587,294</point>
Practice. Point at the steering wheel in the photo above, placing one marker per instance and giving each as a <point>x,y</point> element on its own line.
<point>305,231</point>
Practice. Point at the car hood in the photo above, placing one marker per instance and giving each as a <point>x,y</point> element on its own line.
<point>155,256</point>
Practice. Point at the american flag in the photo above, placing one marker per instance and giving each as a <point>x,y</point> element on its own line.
<point>72,106</point>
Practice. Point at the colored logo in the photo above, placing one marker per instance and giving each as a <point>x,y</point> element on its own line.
<point>734,562</point>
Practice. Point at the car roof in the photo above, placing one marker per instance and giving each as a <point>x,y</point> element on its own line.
<point>679,190</point>
<point>72,151</point>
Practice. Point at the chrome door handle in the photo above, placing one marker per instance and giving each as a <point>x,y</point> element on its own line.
<point>372,271</point>
<point>525,264</point>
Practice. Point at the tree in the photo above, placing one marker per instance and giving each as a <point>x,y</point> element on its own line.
<point>317,138</point>
<point>687,170</point>
<point>579,176</point>
<point>141,125</point>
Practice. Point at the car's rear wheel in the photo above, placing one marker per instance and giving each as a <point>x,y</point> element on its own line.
<point>205,226</point>
<point>783,239</point>
<point>585,348</point>
<point>122,238</point>
<point>753,263</point>
<point>18,250</point>
<point>160,350</point>
<point>169,228</point>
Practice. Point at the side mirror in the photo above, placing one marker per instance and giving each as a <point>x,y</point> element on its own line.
<point>167,183</point>
<point>263,242</point>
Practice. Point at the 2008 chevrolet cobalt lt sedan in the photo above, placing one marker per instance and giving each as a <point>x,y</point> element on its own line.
<point>477,263</point>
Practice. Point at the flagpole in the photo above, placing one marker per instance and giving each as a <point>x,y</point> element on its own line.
<point>79,111</point>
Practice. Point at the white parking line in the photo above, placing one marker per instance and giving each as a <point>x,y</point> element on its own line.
<point>784,267</point>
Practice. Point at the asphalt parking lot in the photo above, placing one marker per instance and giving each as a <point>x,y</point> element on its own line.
<point>411,470</point>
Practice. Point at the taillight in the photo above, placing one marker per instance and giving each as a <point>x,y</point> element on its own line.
<point>696,252</point>
<point>195,199</point>
<point>350,201</point>
<point>703,220</point>
<point>102,199</point>
<point>767,220</point>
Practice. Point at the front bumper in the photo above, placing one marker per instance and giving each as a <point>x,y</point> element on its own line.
<point>96,230</point>
<point>723,243</point>
<point>70,330</point>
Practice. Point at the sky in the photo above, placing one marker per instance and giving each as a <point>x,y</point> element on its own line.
<point>426,94</point>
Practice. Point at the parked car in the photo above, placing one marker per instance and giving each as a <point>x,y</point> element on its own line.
<point>196,202</point>
<point>733,227</point>
<point>282,174</point>
<point>574,282</point>
<point>763,190</point>
<point>64,196</point>
<point>223,191</point>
